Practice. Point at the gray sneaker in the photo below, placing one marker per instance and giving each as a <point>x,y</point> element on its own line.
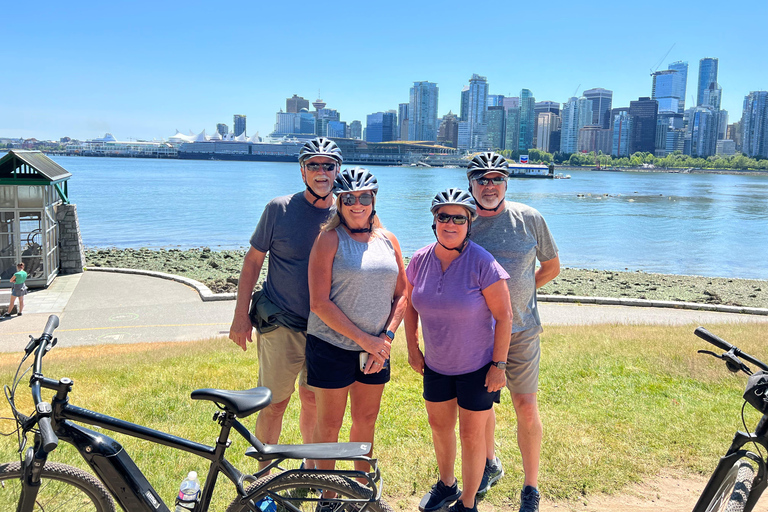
<point>491,474</point>
<point>439,496</point>
<point>529,499</point>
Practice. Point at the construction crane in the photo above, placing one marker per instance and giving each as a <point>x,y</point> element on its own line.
<point>656,68</point>
<point>577,90</point>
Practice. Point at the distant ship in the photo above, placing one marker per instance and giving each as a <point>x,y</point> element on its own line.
<point>531,171</point>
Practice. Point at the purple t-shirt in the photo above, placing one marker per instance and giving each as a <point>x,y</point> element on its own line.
<point>456,324</point>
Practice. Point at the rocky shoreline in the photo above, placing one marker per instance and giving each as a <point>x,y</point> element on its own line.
<point>220,270</point>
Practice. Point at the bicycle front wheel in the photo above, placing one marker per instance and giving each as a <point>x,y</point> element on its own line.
<point>734,490</point>
<point>298,493</point>
<point>62,489</point>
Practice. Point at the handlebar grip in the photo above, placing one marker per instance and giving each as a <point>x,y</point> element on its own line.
<point>49,439</point>
<point>53,323</point>
<point>711,338</point>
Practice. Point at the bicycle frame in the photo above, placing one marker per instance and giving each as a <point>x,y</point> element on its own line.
<point>734,453</point>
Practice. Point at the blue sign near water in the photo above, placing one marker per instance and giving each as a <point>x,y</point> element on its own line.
<point>699,224</point>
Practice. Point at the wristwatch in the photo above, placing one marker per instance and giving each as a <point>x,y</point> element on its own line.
<point>389,334</point>
<point>502,365</point>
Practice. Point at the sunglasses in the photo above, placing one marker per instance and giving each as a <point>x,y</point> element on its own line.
<point>316,167</point>
<point>444,218</point>
<point>350,200</point>
<point>495,181</point>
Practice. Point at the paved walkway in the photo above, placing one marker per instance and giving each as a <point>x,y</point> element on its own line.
<point>103,308</point>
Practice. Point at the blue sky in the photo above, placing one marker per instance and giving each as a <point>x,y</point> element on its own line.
<point>143,69</point>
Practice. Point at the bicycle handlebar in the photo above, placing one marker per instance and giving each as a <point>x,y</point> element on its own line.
<point>724,345</point>
<point>43,409</point>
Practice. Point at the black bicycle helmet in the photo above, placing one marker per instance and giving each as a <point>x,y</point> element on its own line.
<point>355,180</point>
<point>486,163</point>
<point>454,196</point>
<point>320,146</point>
<point>458,197</point>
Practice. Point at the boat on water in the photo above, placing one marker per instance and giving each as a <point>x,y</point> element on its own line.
<point>531,171</point>
<point>561,176</point>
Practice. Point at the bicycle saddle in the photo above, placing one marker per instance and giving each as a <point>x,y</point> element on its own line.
<point>242,403</point>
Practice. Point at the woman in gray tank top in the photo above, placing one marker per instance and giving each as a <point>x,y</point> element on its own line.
<point>357,301</point>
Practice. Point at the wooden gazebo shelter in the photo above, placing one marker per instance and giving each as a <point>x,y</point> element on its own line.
<point>32,188</point>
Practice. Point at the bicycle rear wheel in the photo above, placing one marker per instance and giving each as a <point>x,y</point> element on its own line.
<point>734,490</point>
<point>62,489</point>
<point>298,493</point>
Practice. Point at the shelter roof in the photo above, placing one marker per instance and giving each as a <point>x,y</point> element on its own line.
<point>31,165</point>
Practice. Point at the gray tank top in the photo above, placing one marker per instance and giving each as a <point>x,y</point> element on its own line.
<point>362,286</point>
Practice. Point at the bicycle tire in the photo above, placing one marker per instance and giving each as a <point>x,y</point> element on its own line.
<point>293,488</point>
<point>62,489</point>
<point>732,494</point>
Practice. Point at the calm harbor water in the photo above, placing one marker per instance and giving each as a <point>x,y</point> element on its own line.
<point>712,225</point>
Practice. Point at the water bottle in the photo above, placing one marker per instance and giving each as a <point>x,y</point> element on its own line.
<point>189,493</point>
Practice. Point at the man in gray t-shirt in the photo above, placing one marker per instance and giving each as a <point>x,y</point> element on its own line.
<point>287,230</point>
<point>516,235</point>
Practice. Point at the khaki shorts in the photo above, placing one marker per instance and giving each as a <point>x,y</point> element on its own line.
<point>523,361</point>
<point>281,360</point>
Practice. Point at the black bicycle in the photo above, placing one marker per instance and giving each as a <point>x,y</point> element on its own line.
<point>35,484</point>
<point>734,486</point>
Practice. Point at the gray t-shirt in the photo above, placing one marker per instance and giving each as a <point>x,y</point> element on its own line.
<point>363,282</point>
<point>287,230</point>
<point>517,237</point>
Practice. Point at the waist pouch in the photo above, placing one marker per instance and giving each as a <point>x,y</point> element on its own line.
<point>266,316</point>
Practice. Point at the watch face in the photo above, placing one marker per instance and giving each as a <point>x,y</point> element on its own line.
<point>390,335</point>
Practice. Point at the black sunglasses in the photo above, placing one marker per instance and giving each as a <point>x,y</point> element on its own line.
<point>444,218</point>
<point>350,199</point>
<point>312,166</point>
<point>495,181</point>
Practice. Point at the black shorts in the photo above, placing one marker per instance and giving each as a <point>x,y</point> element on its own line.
<point>468,388</point>
<point>331,367</point>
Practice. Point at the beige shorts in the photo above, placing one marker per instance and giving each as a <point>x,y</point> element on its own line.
<point>523,361</point>
<point>281,360</point>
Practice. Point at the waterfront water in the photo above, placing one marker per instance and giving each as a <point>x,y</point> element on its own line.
<point>699,224</point>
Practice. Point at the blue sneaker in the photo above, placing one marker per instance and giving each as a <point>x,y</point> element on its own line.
<point>491,474</point>
<point>439,496</point>
<point>529,499</point>
<point>267,505</point>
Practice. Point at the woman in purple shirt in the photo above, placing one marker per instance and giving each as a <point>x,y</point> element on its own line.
<point>459,292</point>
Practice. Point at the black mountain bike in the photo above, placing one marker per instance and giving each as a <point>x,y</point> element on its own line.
<point>735,486</point>
<point>35,484</point>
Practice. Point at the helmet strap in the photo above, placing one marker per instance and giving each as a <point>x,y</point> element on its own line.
<point>458,249</point>
<point>477,203</point>
<point>369,229</point>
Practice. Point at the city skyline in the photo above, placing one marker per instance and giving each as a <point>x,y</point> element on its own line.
<point>103,68</point>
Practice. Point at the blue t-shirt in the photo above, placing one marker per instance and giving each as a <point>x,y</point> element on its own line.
<point>457,325</point>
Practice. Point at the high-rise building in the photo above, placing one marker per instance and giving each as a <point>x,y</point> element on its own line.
<point>682,69</point>
<point>734,133</point>
<point>569,131</point>
<point>754,125</point>
<point>665,90</point>
<point>707,76</point>
<point>701,134</point>
<point>222,129</point>
<point>464,108</point>
<point>239,124</point>
<point>622,129</point>
<point>477,105</point>
<point>448,132</point>
<point>527,120</point>
<point>601,101</point>
<point>294,104</point>
<point>512,128</point>
<point>669,133</point>
<point>511,102</point>
<point>644,112</point>
<point>402,119</point>
<point>337,129</point>
<point>595,138</point>
<point>355,130</point>
<point>496,121</point>
<point>495,100</point>
<point>726,147</point>
<point>289,123</point>
<point>323,117</point>
<point>546,123</point>
<point>422,112</point>
<point>540,107</point>
<point>381,127</point>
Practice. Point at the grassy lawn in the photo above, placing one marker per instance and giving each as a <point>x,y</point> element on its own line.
<point>618,403</point>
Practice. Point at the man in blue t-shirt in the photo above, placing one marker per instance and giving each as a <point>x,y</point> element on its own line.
<point>287,230</point>
<point>516,235</point>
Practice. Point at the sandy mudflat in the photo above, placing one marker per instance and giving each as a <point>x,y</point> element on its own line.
<point>220,270</point>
